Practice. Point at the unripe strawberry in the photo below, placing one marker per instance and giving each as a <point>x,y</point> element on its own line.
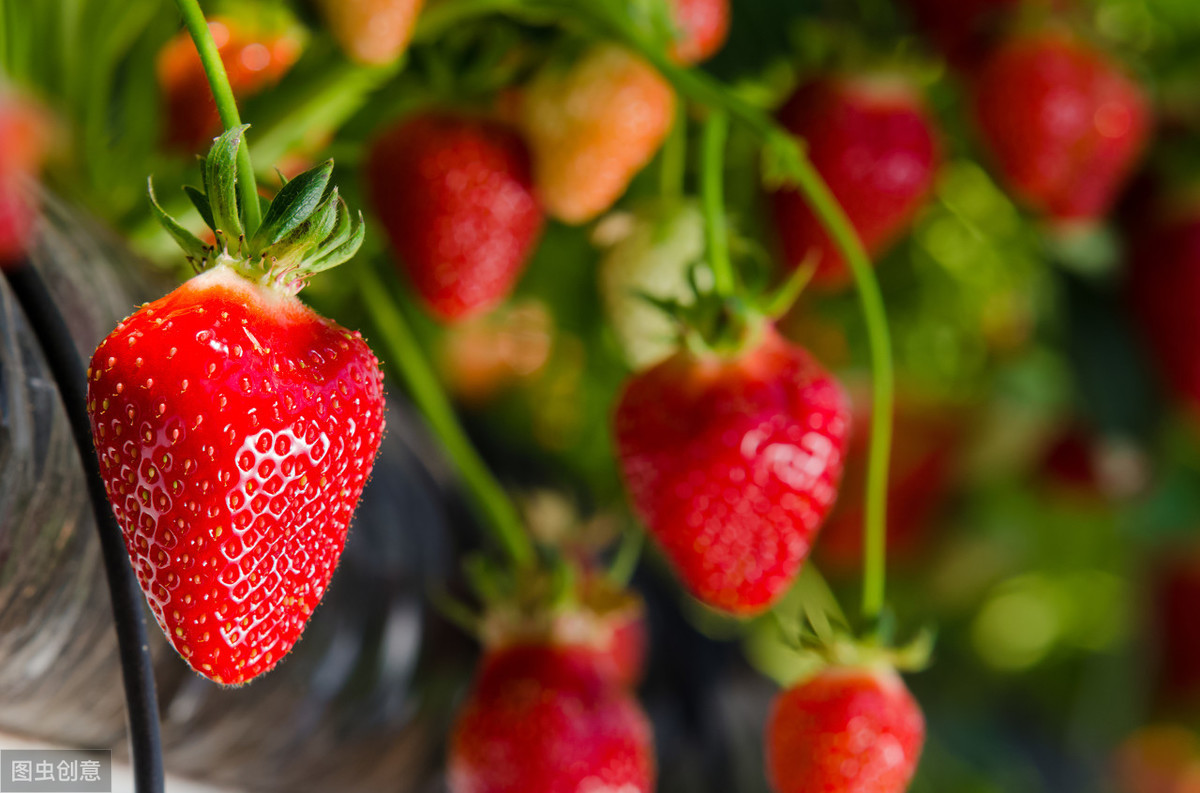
<point>872,140</point>
<point>703,26</point>
<point>372,32</point>
<point>592,127</point>
<point>846,730</point>
<point>1064,125</point>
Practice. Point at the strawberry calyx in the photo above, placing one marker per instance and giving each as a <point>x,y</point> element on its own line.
<point>306,228</point>
<point>823,644</point>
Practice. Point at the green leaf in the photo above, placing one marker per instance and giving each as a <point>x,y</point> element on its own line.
<point>220,169</point>
<point>293,204</point>
<point>192,247</point>
<point>200,201</point>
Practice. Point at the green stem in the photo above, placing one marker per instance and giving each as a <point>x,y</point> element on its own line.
<point>712,189</point>
<point>628,553</point>
<point>197,25</point>
<point>407,362</point>
<point>673,160</point>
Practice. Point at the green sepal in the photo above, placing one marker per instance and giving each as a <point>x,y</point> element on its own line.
<point>193,248</point>
<point>295,202</point>
<point>220,182</point>
<point>342,252</point>
<point>200,201</point>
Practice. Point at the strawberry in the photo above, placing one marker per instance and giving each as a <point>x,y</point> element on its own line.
<point>873,141</point>
<point>254,57</point>
<point>1158,758</point>
<point>236,428</point>
<point>543,719</point>
<point>1176,596</point>
<point>1062,122</point>
<point>703,26</point>
<point>846,730</point>
<point>657,247</point>
<point>592,127</point>
<point>965,30</point>
<point>480,357</point>
<point>1163,284</point>
<point>24,141</point>
<point>733,462</point>
<point>455,197</point>
<point>372,32</point>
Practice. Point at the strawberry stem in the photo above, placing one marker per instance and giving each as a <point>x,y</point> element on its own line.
<point>673,160</point>
<point>408,364</point>
<point>712,189</point>
<point>218,81</point>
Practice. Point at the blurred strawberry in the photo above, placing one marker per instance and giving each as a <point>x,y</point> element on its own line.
<point>1062,122</point>
<point>483,355</point>
<point>733,462</point>
<point>592,127</point>
<point>1083,465</point>
<point>455,197</point>
<point>543,719</point>
<point>1163,284</point>
<point>657,247</point>
<point>372,32</point>
<point>924,449</point>
<point>255,57</point>
<point>846,730</point>
<point>703,26</point>
<point>25,134</point>
<point>1158,759</point>
<point>873,141</point>
<point>1176,582</point>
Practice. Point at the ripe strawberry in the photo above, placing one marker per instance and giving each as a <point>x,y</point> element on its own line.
<point>1163,284</point>
<point>873,141</point>
<point>545,719</point>
<point>592,127</point>
<point>1063,124</point>
<point>455,197</point>
<point>849,730</point>
<point>372,32</point>
<point>703,26</point>
<point>733,464</point>
<point>657,248</point>
<point>254,59</point>
<point>236,428</point>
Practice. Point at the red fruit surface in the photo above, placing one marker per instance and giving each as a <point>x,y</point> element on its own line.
<point>1177,601</point>
<point>544,720</point>
<point>965,30</point>
<point>1163,286</point>
<point>733,464</point>
<point>1062,122</point>
<point>592,127</point>
<point>920,474</point>
<point>872,140</point>
<point>455,197</point>
<point>847,730</point>
<point>253,60</point>
<point>235,430</point>
<point>703,27</point>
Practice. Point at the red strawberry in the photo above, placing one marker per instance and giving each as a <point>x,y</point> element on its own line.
<point>254,59</point>
<point>1163,287</point>
<point>544,720</point>
<point>733,463</point>
<point>592,127</point>
<point>703,26</point>
<point>873,141</point>
<point>1176,598</point>
<point>372,32</point>
<point>847,730</point>
<point>964,30</point>
<point>236,428</point>
<point>455,197</point>
<point>1063,124</point>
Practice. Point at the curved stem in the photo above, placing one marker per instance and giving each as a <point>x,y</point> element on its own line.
<point>218,80</point>
<point>407,362</point>
<point>129,616</point>
<point>712,189</point>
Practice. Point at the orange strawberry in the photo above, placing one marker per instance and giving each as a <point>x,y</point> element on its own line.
<point>372,32</point>
<point>592,127</point>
